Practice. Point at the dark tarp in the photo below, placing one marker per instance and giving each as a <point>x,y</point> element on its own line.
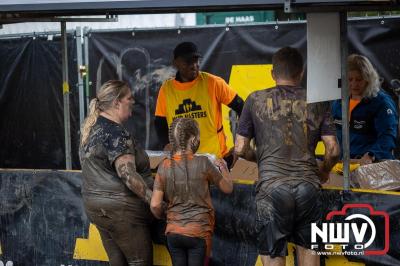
<point>31,103</point>
<point>379,40</point>
<point>41,216</point>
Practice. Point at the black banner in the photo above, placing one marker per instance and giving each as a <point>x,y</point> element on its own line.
<point>379,40</point>
<point>31,103</point>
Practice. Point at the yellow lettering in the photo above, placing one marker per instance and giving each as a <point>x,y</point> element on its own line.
<point>286,107</point>
<point>270,107</point>
<point>299,109</point>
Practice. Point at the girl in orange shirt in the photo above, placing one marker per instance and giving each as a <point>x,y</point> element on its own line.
<point>183,181</point>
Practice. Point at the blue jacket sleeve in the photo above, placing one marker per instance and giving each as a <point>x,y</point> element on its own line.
<point>386,122</point>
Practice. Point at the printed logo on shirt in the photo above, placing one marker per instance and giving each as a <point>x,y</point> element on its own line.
<point>389,111</point>
<point>359,124</point>
<point>337,122</point>
<point>190,109</point>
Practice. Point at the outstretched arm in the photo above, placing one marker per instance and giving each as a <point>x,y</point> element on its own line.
<point>331,157</point>
<point>157,205</point>
<point>225,183</point>
<point>245,132</point>
<point>126,170</point>
<point>243,149</point>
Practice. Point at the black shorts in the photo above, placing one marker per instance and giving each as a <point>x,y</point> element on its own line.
<point>284,214</point>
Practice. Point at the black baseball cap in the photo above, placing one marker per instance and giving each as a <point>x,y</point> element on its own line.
<point>186,50</point>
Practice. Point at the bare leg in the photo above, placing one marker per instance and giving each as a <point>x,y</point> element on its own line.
<point>277,261</point>
<point>306,257</point>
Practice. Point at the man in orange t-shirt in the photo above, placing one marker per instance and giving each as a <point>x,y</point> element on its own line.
<point>198,95</point>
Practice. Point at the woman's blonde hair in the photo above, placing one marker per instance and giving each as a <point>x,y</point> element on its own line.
<point>361,64</point>
<point>110,91</point>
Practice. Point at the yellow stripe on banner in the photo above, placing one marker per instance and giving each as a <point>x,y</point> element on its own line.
<point>340,260</point>
<point>332,188</point>
<point>161,256</point>
<point>244,182</point>
<point>329,260</point>
<point>90,248</point>
<point>65,88</point>
<point>376,191</point>
<point>245,79</point>
<point>251,182</point>
<point>289,257</point>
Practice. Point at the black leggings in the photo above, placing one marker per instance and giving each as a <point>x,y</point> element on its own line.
<point>186,250</point>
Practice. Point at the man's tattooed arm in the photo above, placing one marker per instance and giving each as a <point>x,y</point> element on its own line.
<point>126,170</point>
<point>331,157</point>
<point>243,149</point>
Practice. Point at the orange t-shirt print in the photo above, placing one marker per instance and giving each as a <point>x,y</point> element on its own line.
<point>200,99</point>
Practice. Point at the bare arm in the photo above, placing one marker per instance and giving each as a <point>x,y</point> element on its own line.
<point>225,184</point>
<point>243,149</point>
<point>126,170</point>
<point>156,205</point>
<point>331,157</point>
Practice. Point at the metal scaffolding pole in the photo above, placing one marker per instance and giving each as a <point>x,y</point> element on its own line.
<point>345,102</point>
<point>86,64</point>
<point>65,87</point>
<point>80,80</point>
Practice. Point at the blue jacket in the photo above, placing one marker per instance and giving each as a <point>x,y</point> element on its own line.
<point>373,126</point>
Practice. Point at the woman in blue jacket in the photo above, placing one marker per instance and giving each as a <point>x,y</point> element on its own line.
<point>373,114</point>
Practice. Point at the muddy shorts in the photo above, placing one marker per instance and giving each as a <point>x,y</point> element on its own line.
<point>284,214</point>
